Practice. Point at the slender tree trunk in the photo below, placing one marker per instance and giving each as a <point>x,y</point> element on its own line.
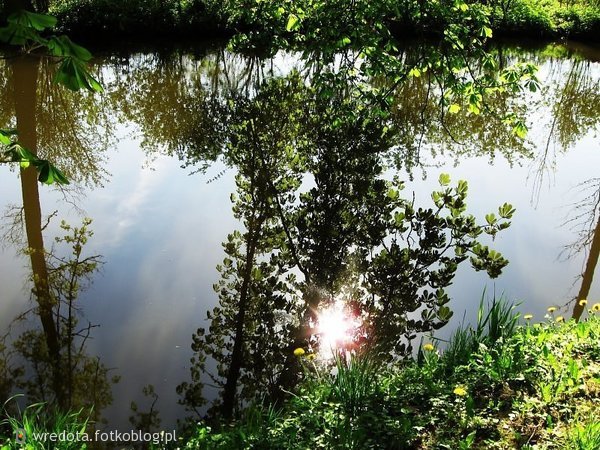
<point>233,375</point>
<point>25,71</point>
<point>588,275</point>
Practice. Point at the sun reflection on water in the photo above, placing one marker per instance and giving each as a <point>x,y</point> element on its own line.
<point>336,327</point>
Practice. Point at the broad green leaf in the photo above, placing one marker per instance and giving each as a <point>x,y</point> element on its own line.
<point>63,46</point>
<point>59,177</point>
<point>33,20</point>
<point>25,154</point>
<point>444,313</point>
<point>73,75</point>
<point>5,136</point>
<point>454,108</point>
<point>520,129</point>
<point>491,218</point>
<point>474,108</point>
<point>344,41</point>
<point>414,72</point>
<point>50,174</point>
<point>444,179</point>
<point>506,211</point>
<point>293,22</point>
<point>16,34</point>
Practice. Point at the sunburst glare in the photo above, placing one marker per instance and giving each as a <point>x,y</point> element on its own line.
<point>336,328</point>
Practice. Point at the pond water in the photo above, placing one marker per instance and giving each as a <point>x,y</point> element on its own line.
<point>158,227</point>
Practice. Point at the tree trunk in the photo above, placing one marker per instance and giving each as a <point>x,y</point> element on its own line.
<point>233,375</point>
<point>588,275</point>
<point>25,72</point>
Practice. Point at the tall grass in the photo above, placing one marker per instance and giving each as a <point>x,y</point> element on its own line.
<point>355,381</point>
<point>17,430</point>
<point>587,436</point>
<point>496,322</point>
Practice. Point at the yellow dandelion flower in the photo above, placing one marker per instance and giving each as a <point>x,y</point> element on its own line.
<point>299,352</point>
<point>551,309</point>
<point>460,391</point>
<point>560,319</point>
<point>596,307</point>
<point>528,316</point>
<point>428,347</point>
<point>582,302</point>
<point>311,356</point>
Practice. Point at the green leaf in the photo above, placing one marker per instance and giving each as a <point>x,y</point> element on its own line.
<point>444,179</point>
<point>344,41</point>
<point>474,108</point>
<point>48,173</point>
<point>454,108</point>
<point>491,218</point>
<point>33,20</point>
<point>63,46</point>
<point>414,72</point>
<point>5,136</point>
<point>73,75</point>
<point>506,211</point>
<point>15,34</point>
<point>293,22</point>
<point>444,313</point>
<point>520,129</point>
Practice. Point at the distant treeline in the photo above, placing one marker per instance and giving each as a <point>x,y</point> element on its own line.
<point>116,19</point>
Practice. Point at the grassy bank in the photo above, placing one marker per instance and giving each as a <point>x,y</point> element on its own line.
<point>114,19</point>
<point>502,384</point>
<point>497,386</point>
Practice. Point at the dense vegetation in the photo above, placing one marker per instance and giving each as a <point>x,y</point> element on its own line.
<point>152,18</point>
<point>353,236</point>
<point>495,386</point>
<point>498,385</point>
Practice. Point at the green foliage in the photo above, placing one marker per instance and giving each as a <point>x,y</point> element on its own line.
<point>351,234</point>
<point>586,436</point>
<point>12,151</point>
<point>425,405</point>
<point>135,18</point>
<point>41,418</point>
<point>277,21</point>
<point>550,18</point>
<point>25,29</point>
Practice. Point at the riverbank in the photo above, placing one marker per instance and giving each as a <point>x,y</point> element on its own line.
<point>110,20</point>
<point>498,385</point>
<point>533,386</point>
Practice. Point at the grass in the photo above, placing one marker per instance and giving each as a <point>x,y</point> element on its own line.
<point>498,385</point>
<point>19,429</point>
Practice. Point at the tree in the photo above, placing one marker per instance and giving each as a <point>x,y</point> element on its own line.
<point>299,248</point>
